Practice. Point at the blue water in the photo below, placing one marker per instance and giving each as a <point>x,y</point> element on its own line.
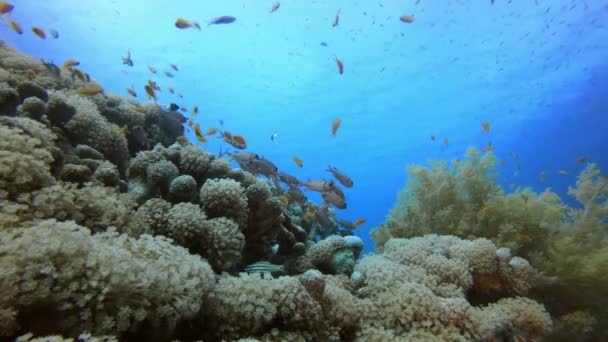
<point>536,70</point>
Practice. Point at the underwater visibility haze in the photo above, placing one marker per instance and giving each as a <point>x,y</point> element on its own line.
<point>301,156</point>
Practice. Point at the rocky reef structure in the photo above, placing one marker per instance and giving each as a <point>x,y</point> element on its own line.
<point>567,245</point>
<point>113,227</point>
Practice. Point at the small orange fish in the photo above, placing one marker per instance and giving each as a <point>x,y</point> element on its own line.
<point>359,222</point>
<point>335,125</point>
<point>581,160</point>
<point>194,110</point>
<point>199,134</point>
<point>91,89</point>
<point>182,23</point>
<point>150,91</point>
<point>16,27</point>
<point>275,6</point>
<point>336,18</point>
<point>212,131</point>
<point>140,109</point>
<point>564,173</point>
<point>182,140</point>
<point>298,161</point>
<point>227,136</point>
<point>488,147</point>
<point>171,90</point>
<point>407,18</point>
<point>486,126</point>
<point>168,74</point>
<point>39,32</point>
<point>190,123</point>
<point>340,65</point>
<point>183,109</point>
<point>131,92</point>
<point>174,67</point>
<point>239,142</point>
<point>70,63</point>
<point>79,74</point>
<point>284,199</point>
<point>152,69</point>
<point>5,7</point>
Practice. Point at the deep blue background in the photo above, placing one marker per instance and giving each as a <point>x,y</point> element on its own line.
<point>536,70</point>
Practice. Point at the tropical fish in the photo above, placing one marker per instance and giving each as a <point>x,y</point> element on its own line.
<point>180,95</point>
<point>39,32</point>
<point>360,222</point>
<point>79,74</point>
<point>183,109</point>
<point>289,179</point>
<point>296,195</point>
<point>445,141</point>
<point>194,110</point>
<point>319,185</point>
<point>340,176</point>
<point>212,131</point>
<point>488,147</point>
<point>324,44</point>
<point>238,142</point>
<point>154,85</point>
<point>174,67</point>
<point>15,27</point>
<point>127,60</point>
<point>265,267</point>
<point>199,134</point>
<point>173,107</point>
<point>298,161</point>
<point>274,136</point>
<point>171,90</point>
<point>150,91</point>
<point>168,74</point>
<point>321,214</point>
<point>54,33</point>
<point>335,125</point>
<point>182,23</point>
<point>5,7</point>
<point>564,172</point>
<point>225,19</point>
<point>70,63</point>
<point>190,123</point>
<point>340,65</point>
<point>347,224</point>
<point>407,18</point>
<point>182,140</point>
<point>336,18</point>
<point>152,69</point>
<point>486,126</point>
<point>284,199</point>
<point>581,160</point>
<point>502,162</point>
<point>131,92</point>
<point>335,199</point>
<point>275,6</point>
<point>542,176</point>
<point>91,89</point>
<point>433,138</point>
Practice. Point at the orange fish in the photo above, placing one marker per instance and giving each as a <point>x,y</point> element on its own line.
<point>150,91</point>
<point>182,140</point>
<point>171,90</point>
<point>581,160</point>
<point>16,27</point>
<point>194,110</point>
<point>336,18</point>
<point>131,92</point>
<point>298,161</point>
<point>284,199</point>
<point>212,131</point>
<point>168,74</point>
<point>407,18</point>
<point>488,147</point>
<point>486,126</point>
<point>80,75</point>
<point>70,63</point>
<point>275,6</point>
<point>227,136</point>
<point>199,134</point>
<point>152,69</point>
<point>39,32</point>
<point>335,125</point>
<point>174,67</point>
<point>91,89</point>
<point>5,7</point>
<point>190,123</point>
<point>359,222</point>
<point>340,65</point>
<point>239,142</point>
<point>182,23</point>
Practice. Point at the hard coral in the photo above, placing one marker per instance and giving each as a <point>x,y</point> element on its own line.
<point>224,197</point>
<point>60,278</point>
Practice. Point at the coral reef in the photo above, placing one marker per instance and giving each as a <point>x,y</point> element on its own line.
<point>567,245</point>
<point>111,229</point>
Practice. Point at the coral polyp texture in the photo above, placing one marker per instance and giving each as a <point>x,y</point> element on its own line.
<point>114,227</point>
